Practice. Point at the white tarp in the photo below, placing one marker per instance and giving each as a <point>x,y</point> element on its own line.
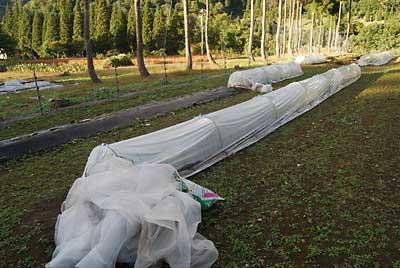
<point>127,206</point>
<point>14,86</point>
<point>376,59</point>
<point>311,59</point>
<point>255,78</point>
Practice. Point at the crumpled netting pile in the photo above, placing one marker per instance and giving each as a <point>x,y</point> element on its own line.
<point>120,212</point>
<point>311,59</point>
<point>376,59</point>
<point>255,78</point>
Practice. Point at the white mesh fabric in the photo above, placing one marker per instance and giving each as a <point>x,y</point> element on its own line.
<point>376,59</point>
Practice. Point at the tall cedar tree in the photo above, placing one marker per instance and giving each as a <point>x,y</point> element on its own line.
<point>118,28</point>
<point>158,29</point>
<point>77,33</point>
<point>147,27</point>
<point>8,21</point>
<point>37,34</point>
<point>24,30</point>
<point>66,21</point>
<point>131,28</point>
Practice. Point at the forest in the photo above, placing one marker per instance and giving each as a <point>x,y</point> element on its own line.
<point>56,27</point>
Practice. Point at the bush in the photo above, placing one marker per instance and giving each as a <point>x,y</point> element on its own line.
<point>3,68</point>
<point>43,67</point>
<point>116,61</point>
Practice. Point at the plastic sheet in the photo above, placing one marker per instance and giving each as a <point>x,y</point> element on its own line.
<point>376,59</point>
<point>14,86</point>
<point>127,206</point>
<point>266,75</point>
<point>311,59</point>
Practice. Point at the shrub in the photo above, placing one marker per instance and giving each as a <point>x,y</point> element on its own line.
<point>3,68</point>
<point>116,61</point>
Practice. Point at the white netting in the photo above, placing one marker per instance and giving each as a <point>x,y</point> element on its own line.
<point>14,86</point>
<point>266,75</point>
<point>127,207</point>
<point>376,59</point>
<point>311,59</point>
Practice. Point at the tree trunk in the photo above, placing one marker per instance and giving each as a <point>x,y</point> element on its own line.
<point>300,28</point>
<point>320,33</point>
<point>348,27</point>
<point>310,48</point>
<point>284,28</point>
<point>209,56</point>
<point>88,44</point>
<point>139,41</point>
<point>189,63</point>
<point>264,7</point>
<point>292,10</point>
<point>296,37</point>
<point>338,26</point>
<point>251,30</point>
<point>330,34</point>
<point>278,30</point>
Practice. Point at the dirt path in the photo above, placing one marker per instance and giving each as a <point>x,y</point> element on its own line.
<point>45,139</point>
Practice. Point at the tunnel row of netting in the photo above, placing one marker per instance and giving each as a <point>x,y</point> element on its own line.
<point>311,59</point>
<point>266,75</point>
<point>130,205</point>
<point>376,59</point>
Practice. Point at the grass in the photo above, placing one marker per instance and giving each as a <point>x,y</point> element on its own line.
<point>322,191</point>
<point>147,90</point>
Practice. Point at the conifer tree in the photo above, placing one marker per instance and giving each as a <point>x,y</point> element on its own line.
<point>147,26</point>
<point>102,19</point>
<point>118,28</point>
<point>66,21</point>
<point>24,30</point>
<point>77,32</point>
<point>131,29</point>
<point>17,10</point>
<point>37,26</point>
<point>8,22</point>
<point>52,26</point>
<point>92,18</point>
<point>158,29</point>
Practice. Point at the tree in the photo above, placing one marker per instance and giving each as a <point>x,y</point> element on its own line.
<point>264,7</point>
<point>118,28</point>
<point>147,28</point>
<point>77,32</point>
<point>251,35</point>
<point>338,25</point>
<point>66,22</point>
<point>52,26</point>
<point>188,53</point>
<point>8,21</point>
<point>88,44</point>
<point>131,28</point>
<point>300,40</point>
<point>349,26</point>
<point>310,48</point>
<point>158,29</point>
<point>292,8</point>
<point>284,28</point>
<point>37,27</point>
<point>277,43</point>
<point>209,56</point>
<point>24,24</point>
<point>139,42</point>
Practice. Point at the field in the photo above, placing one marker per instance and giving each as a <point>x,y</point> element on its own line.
<point>321,191</point>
